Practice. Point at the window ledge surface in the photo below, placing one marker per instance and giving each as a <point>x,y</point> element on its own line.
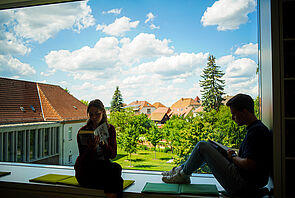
<point>21,173</point>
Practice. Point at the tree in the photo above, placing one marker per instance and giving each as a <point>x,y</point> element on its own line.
<point>131,137</point>
<point>85,102</point>
<point>212,85</point>
<point>154,136</point>
<point>117,100</point>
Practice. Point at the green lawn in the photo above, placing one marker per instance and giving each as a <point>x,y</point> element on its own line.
<point>145,160</point>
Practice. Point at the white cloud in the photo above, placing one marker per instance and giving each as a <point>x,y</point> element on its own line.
<point>240,76</point>
<point>48,73</point>
<point>152,26</point>
<point>113,11</point>
<point>228,14</point>
<point>178,80</point>
<point>43,22</point>
<point>182,65</point>
<point>11,65</point>
<point>143,45</point>
<point>103,55</point>
<point>247,49</point>
<point>119,27</point>
<point>12,44</point>
<point>150,17</point>
<point>225,60</point>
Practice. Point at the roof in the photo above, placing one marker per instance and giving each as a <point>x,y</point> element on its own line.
<point>157,116</point>
<point>185,102</point>
<point>60,105</point>
<point>159,113</point>
<point>24,101</point>
<point>16,95</point>
<point>181,112</point>
<point>141,104</point>
<point>158,104</point>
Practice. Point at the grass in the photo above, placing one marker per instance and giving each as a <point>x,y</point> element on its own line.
<point>145,160</point>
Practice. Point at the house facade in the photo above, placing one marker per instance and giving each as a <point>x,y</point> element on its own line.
<point>185,106</point>
<point>38,123</point>
<point>140,107</point>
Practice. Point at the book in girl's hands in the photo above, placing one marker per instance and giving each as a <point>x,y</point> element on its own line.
<point>86,136</point>
<point>102,132</point>
<point>221,148</point>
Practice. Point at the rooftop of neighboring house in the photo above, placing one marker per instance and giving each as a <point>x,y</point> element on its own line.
<point>181,111</point>
<point>140,104</point>
<point>185,102</point>
<point>158,104</point>
<point>159,113</point>
<point>24,101</point>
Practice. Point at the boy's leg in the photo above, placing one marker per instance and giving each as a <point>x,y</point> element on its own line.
<point>226,173</point>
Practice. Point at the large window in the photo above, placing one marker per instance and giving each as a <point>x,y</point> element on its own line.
<point>155,52</point>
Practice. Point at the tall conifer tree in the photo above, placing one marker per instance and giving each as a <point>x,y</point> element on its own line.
<point>212,85</point>
<point>117,100</point>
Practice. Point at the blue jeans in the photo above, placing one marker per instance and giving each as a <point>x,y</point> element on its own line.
<point>226,172</point>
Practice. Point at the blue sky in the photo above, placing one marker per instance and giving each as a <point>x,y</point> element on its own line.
<point>153,50</point>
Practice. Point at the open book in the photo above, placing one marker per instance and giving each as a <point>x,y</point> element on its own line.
<point>101,131</point>
<point>221,148</point>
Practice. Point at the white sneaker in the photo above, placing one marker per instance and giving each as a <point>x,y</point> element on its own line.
<point>173,171</point>
<point>178,178</point>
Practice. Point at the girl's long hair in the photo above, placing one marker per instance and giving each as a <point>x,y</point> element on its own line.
<point>98,104</point>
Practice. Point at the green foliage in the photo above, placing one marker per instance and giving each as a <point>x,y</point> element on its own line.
<point>130,136</point>
<point>212,85</point>
<point>214,125</point>
<point>117,100</point>
<point>85,102</point>
<point>129,127</point>
<point>67,90</point>
<point>171,129</point>
<point>257,107</point>
<point>154,136</point>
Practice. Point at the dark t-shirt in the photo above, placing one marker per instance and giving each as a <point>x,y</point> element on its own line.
<point>257,145</point>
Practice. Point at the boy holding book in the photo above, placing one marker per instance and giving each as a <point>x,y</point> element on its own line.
<point>241,174</point>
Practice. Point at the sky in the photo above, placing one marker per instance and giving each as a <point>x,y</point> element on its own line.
<point>153,50</point>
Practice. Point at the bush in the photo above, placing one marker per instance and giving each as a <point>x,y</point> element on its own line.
<point>167,149</point>
<point>143,147</point>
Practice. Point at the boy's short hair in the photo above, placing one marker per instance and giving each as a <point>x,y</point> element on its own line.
<point>240,102</point>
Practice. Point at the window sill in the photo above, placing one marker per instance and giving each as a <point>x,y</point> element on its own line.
<point>17,183</point>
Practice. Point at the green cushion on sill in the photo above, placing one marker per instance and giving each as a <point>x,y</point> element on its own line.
<point>199,189</point>
<point>50,178</point>
<point>195,189</point>
<point>161,188</point>
<point>67,180</point>
<point>4,173</point>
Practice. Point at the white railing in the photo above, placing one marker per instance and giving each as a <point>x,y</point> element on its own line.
<point>29,142</point>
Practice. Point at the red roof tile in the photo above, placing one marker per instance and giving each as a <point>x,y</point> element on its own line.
<point>60,105</point>
<point>158,104</point>
<point>15,94</point>
<point>40,102</point>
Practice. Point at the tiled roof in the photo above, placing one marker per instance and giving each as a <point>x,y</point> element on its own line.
<point>40,102</point>
<point>17,94</point>
<point>60,105</point>
<point>184,102</point>
<point>157,116</point>
<point>141,104</point>
<point>158,104</point>
<point>159,113</point>
<point>181,112</point>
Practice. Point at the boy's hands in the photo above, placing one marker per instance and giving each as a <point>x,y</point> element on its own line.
<point>231,153</point>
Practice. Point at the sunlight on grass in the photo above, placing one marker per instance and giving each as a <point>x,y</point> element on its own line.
<point>145,160</point>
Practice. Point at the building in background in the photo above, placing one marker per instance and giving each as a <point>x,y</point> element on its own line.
<point>39,123</point>
<point>141,107</point>
<point>160,115</point>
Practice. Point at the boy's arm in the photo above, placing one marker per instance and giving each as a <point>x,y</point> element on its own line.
<point>244,163</point>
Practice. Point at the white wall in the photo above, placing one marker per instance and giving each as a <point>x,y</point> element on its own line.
<point>70,147</point>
